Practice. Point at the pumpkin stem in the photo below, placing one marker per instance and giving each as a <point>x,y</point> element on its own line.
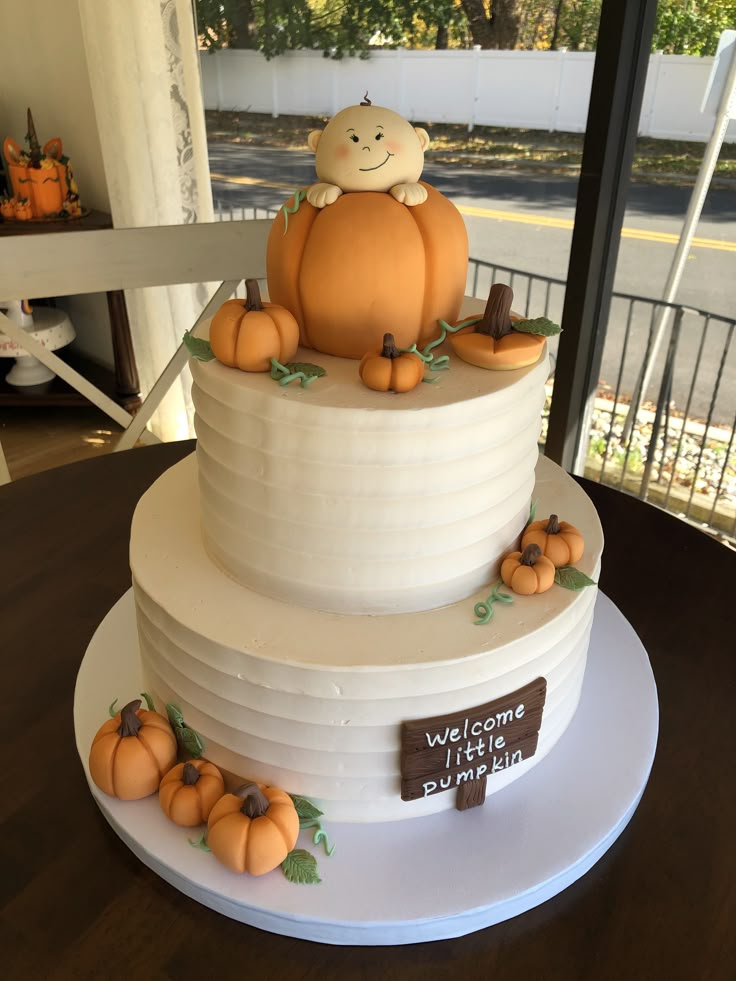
<point>530,555</point>
<point>389,349</point>
<point>553,525</point>
<point>129,721</point>
<point>255,802</point>
<point>190,775</point>
<point>252,295</point>
<point>496,321</point>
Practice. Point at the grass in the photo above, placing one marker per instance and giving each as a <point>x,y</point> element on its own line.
<point>487,146</point>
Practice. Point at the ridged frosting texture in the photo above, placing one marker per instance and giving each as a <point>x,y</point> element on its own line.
<point>313,701</point>
<point>346,500</point>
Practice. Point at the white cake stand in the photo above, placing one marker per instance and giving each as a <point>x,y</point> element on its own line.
<point>53,329</point>
<point>436,877</point>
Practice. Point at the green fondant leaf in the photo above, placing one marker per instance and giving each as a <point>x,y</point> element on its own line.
<point>305,368</point>
<point>571,578</point>
<point>305,809</point>
<point>112,710</point>
<point>190,740</point>
<point>532,512</point>
<point>200,842</point>
<point>174,713</point>
<point>148,701</point>
<point>198,347</point>
<point>187,738</point>
<point>540,325</point>
<point>300,866</point>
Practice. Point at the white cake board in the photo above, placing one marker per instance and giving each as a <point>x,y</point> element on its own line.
<point>436,877</point>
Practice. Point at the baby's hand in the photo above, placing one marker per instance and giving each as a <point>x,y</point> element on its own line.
<point>320,195</point>
<point>409,194</point>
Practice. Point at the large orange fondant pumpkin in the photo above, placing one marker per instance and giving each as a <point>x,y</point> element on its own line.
<point>367,264</point>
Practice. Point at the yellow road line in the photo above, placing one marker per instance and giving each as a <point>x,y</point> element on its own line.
<point>642,235</point>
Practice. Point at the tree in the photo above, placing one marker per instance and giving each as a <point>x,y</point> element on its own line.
<point>692,26</point>
<point>352,27</point>
<point>494,25</point>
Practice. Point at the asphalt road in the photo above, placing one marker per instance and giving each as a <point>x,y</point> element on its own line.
<point>525,222</point>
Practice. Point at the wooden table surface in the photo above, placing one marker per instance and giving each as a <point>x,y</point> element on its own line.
<point>77,904</point>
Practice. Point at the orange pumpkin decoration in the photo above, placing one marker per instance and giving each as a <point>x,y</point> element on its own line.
<point>560,541</point>
<point>23,211</point>
<point>366,260</point>
<point>493,343</point>
<point>246,334</point>
<point>131,752</point>
<point>254,829</point>
<point>188,793</point>
<point>46,193</point>
<point>7,208</point>
<point>390,370</point>
<point>528,572</point>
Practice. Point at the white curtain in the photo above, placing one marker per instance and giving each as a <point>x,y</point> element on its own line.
<point>144,73</point>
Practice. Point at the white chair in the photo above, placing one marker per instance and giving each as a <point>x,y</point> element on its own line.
<point>127,258</point>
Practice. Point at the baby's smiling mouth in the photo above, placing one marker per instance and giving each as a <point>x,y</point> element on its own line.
<point>388,157</point>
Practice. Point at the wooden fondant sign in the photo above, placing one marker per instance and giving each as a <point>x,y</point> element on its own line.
<point>463,749</point>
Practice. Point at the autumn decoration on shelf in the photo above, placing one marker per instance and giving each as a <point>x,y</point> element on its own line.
<point>43,184</point>
<point>131,752</point>
<point>248,333</point>
<point>391,370</point>
<point>254,829</point>
<point>499,341</point>
<point>189,791</point>
<point>528,572</point>
<point>559,541</point>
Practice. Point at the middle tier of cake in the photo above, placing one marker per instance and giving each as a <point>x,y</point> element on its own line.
<point>341,499</point>
<point>314,702</point>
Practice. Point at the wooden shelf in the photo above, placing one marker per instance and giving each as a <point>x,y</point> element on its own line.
<point>58,393</point>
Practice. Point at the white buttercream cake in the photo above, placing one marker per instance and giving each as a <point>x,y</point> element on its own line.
<point>306,582</point>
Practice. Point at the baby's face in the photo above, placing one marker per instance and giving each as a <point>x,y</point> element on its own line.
<point>367,148</point>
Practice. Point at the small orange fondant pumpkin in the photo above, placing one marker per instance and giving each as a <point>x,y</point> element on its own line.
<point>388,370</point>
<point>246,334</point>
<point>492,343</point>
<point>7,208</point>
<point>560,541</point>
<point>254,829</point>
<point>189,792</point>
<point>131,752</point>
<point>528,572</point>
<point>366,260</point>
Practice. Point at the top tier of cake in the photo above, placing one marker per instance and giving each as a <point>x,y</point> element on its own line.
<point>346,500</point>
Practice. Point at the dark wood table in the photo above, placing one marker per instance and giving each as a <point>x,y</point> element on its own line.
<point>122,383</point>
<point>76,904</point>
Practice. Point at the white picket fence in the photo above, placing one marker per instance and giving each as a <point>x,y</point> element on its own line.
<point>545,90</point>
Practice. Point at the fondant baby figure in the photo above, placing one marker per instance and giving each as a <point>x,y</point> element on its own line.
<point>368,148</point>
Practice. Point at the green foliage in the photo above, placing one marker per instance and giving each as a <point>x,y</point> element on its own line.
<point>692,27</point>
<point>339,28</point>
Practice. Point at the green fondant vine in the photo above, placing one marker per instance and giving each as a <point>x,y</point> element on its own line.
<point>484,609</point>
<point>299,196</point>
<point>293,370</point>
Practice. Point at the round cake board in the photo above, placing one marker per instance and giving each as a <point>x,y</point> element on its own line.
<point>417,880</point>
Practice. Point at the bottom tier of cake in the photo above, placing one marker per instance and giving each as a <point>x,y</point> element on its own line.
<point>314,702</point>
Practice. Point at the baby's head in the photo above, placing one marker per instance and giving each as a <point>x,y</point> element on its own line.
<point>368,148</point>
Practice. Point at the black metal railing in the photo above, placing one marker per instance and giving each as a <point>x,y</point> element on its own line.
<point>671,444</point>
